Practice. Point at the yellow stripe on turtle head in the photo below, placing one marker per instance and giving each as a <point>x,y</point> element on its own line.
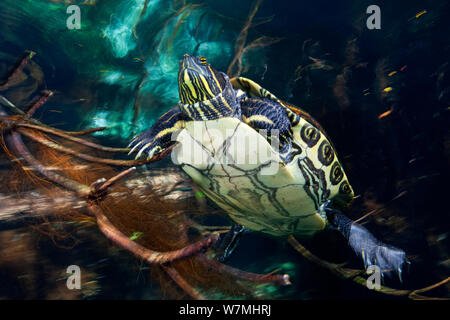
<point>197,81</point>
<point>215,78</point>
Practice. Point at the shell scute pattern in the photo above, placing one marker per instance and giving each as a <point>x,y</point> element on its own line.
<point>321,152</point>
<point>264,202</point>
<point>316,167</point>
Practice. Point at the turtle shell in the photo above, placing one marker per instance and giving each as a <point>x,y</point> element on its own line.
<point>312,138</point>
<point>237,168</point>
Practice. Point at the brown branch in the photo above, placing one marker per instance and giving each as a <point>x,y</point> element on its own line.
<point>105,225</point>
<point>11,105</point>
<point>43,99</point>
<point>103,222</point>
<point>15,141</point>
<point>115,179</point>
<point>18,70</point>
<point>147,255</point>
<point>55,146</point>
<point>36,105</point>
<point>137,102</point>
<point>279,280</point>
<point>242,39</point>
<point>334,268</point>
<point>416,296</point>
<point>241,48</point>
<point>18,111</point>
<point>143,11</point>
<point>355,275</point>
<point>72,138</point>
<point>173,273</point>
<point>35,206</point>
<point>82,132</point>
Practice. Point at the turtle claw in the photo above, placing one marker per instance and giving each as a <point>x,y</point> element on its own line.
<point>390,260</point>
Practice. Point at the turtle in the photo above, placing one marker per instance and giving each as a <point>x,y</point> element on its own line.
<point>267,163</point>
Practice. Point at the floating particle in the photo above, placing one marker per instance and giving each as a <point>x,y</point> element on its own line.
<point>366,92</point>
<point>418,15</point>
<point>403,68</point>
<point>135,235</point>
<point>200,195</point>
<point>392,73</point>
<point>421,13</point>
<point>138,59</point>
<point>388,89</point>
<point>401,194</point>
<point>385,114</point>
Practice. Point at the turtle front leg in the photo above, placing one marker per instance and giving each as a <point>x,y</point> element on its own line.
<point>230,241</point>
<point>272,120</point>
<point>389,259</point>
<point>158,138</point>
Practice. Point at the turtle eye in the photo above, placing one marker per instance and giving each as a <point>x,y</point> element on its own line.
<point>203,61</point>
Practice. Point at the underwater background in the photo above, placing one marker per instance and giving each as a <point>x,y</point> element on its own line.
<point>383,96</point>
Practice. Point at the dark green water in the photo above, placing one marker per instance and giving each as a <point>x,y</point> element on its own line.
<point>119,70</point>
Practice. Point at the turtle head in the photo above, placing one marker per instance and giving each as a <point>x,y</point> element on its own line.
<point>198,81</point>
<point>205,93</point>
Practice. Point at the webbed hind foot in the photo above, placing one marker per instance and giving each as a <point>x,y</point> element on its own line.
<point>390,260</point>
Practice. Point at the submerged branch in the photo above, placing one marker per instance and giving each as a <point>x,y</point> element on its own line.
<point>82,132</point>
<point>55,146</point>
<point>15,141</point>
<point>36,206</point>
<point>18,70</point>
<point>173,273</point>
<point>147,255</point>
<point>71,137</point>
<point>4,101</point>
<point>41,101</point>
<point>276,279</point>
<point>108,229</point>
<point>356,275</point>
